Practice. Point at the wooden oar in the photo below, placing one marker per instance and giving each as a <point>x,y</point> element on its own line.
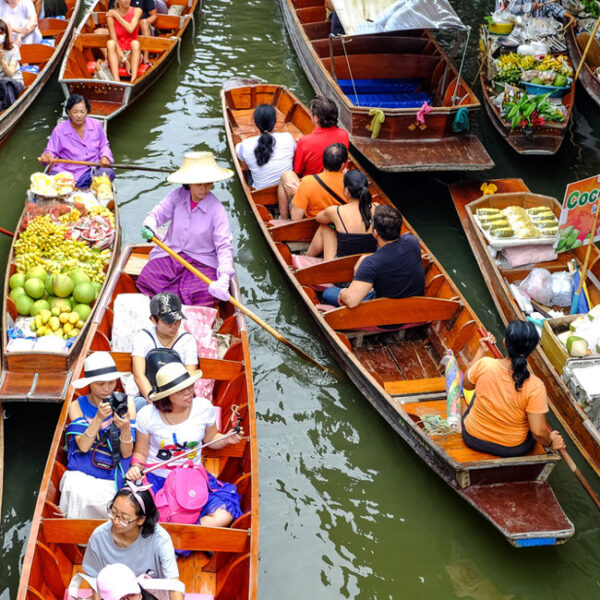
<point>567,458</point>
<point>583,56</point>
<point>245,310</point>
<point>87,163</point>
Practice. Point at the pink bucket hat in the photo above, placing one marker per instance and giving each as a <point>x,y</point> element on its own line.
<point>115,581</point>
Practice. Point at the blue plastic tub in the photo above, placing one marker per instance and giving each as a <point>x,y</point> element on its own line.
<point>535,89</point>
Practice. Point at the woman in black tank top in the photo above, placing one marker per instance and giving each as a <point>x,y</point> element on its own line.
<point>346,229</point>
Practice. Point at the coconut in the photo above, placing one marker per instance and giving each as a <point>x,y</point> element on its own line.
<point>563,337</point>
<point>577,346</point>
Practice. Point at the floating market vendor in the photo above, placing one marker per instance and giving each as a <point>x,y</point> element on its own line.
<point>79,138</point>
<point>535,9</point>
<point>199,231</point>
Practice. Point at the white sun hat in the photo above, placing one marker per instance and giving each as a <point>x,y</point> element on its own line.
<point>98,366</point>
<point>199,167</point>
<point>172,377</point>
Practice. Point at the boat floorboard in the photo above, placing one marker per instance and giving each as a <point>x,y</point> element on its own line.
<point>245,126</point>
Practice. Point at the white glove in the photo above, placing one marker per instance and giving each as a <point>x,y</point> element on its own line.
<point>220,288</point>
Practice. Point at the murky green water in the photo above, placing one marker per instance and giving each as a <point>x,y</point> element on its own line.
<point>347,510</point>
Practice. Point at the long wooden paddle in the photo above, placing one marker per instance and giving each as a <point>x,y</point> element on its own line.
<point>587,49</point>
<point>245,310</point>
<point>87,163</point>
<point>567,458</point>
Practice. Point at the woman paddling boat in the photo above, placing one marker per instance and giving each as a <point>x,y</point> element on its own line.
<point>199,231</point>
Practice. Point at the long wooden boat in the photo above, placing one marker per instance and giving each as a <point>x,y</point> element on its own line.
<point>576,45</point>
<point>43,376</point>
<point>54,550</point>
<point>402,379</point>
<point>544,139</point>
<point>417,70</point>
<point>467,198</point>
<point>109,98</point>
<point>43,57</point>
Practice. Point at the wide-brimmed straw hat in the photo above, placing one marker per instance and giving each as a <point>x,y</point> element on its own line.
<point>98,366</point>
<point>199,167</point>
<point>171,378</point>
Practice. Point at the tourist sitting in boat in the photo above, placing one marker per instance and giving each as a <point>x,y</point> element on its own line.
<point>147,20</point>
<point>133,537</point>
<point>99,441</point>
<point>177,421</point>
<point>79,138</point>
<point>308,159</point>
<point>123,48</point>
<point>118,582</point>
<point>508,412</point>
<point>316,192</point>
<point>11,78</point>
<point>269,154</point>
<point>199,232</point>
<point>346,229</point>
<point>165,332</point>
<point>395,270</point>
<point>22,19</point>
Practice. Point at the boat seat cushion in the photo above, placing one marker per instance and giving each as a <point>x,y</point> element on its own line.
<point>378,86</point>
<point>325,307</point>
<point>408,100</point>
<point>91,66</point>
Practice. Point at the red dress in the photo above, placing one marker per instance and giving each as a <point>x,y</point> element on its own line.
<point>124,38</point>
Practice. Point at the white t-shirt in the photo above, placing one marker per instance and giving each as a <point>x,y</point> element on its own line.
<point>185,346</point>
<point>281,160</point>
<point>165,438</point>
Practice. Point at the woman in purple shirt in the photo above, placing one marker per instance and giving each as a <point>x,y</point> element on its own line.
<point>79,138</point>
<point>199,232</point>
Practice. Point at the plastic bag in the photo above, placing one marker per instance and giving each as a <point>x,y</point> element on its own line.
<point>562,288</point>
<point>538,286</point>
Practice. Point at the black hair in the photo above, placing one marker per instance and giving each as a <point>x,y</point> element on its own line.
<point>387,222</point>
<point>521,338</point>
<point>335,157</point>
<point>265,119</point>
<point>146,595</point>
<point>357,185</point>
<point>74,99</point>
<point>325,110</point>
<point>164,405</point>
<point>150,514</point>
<point>8,37</point>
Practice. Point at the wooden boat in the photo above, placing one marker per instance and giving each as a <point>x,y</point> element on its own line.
<point>54,553</point>
<point>109,98</point>
<point>542,139</point>
<point>576,45</point>
<point>42,376</point>
<point>402,378</point>
<point>467,198</point>
<point>403,144</point>
<point>44,57</point>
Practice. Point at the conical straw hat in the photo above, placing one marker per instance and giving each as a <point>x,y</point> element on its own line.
<point>199,167</point>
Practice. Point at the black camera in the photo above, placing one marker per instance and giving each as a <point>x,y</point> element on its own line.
<point>118,402</point>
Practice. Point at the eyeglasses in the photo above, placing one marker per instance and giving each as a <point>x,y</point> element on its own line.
<point>122,522</point>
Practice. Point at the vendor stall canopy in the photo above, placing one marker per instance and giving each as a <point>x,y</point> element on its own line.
<point>373,16</point>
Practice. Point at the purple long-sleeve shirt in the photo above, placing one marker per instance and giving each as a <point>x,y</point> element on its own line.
<point>64,142</point>
<point>203,233</point>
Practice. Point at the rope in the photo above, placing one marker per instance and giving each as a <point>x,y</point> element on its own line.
<point>350,71</point>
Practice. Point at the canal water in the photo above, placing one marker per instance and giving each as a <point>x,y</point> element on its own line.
<point>347,510</point>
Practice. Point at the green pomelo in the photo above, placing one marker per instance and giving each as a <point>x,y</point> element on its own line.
<point>24,304</point>
<point>56,302</point>
<point>84,293</point>
<point>35,287</point>
<point>17,280</point>
<point>84,311</point>
<point>38,307</point>
<point>38,273</point>
<point>18,291</point>
<point>62,285</point>
<point>537,81</point>
<point>560,81</point>
<point>79,276</point>
<point>49,287</point>
<point>97,286</point>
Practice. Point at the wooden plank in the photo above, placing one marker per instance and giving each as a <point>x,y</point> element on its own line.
<point>189,537</point>
<point>328,271</point>
<point>376,359</point>
<point>415,386</point>
<point>295,231</point>
<point>390,311</point>
<point>383,65</point>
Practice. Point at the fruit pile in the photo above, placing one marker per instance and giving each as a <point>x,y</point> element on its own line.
<point>59,303</point>
<point>547,70</point>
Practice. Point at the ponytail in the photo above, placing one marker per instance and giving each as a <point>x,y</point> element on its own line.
<point>521,338</point>
<point>265,119</point>
<point>358,186</point>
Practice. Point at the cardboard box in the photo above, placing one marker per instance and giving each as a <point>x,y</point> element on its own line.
<point>555,351</point>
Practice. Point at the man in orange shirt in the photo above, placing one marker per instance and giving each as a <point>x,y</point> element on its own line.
<point>317,192</point>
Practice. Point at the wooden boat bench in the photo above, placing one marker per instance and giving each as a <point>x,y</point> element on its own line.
<point>36,54</point>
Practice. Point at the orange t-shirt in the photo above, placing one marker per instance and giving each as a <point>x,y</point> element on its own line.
<point>312,197</point>
<point>499,414</point>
